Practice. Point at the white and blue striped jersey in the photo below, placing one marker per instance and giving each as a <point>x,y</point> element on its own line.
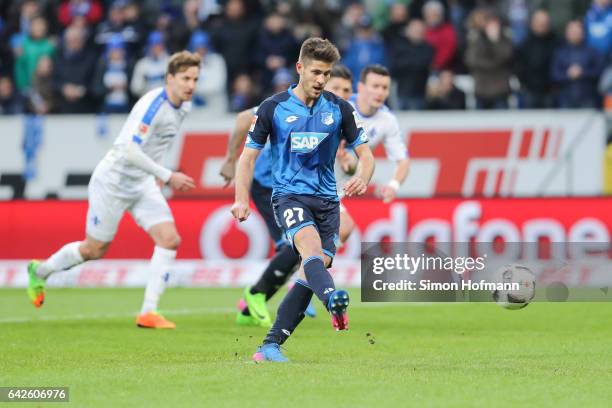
<point>153,123</point>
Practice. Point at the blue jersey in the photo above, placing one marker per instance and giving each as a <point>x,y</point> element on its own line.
<point>304,141</point>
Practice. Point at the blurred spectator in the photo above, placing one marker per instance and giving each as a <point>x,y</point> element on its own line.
<point>34,46</point>
<point>10,100</point>
<point>40,99</point>
<point>276,48</point>
<point>410,65</point>
<point>605,87</point>
<point>534,61</point>
<point>344,33</point>
<point>385,10</point>
<point>234,37</point>
<point>118,23</point>
<point>20,18</point>
<point>181,31</point>
<point>150,71</point>
<point>440,34</point>
<point>416,9</point>
<point>366,48</point>
<point>598,26</point>
<point>210,91</point>
<point>243,95</point>
<point>282,80</point>
<point>111,81</point>
<point>74,69</point>
<point>561,12</point>
<point>489,59</point>
<point>398,18</point>
<point>576,68</point>
<point>83,12</point>
<point>516,12</point>
<point>442,94</point>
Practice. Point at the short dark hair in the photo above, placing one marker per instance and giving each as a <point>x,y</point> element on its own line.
<point>181,61</point>
<point>319,49</point>
<point>342,71</point>
<point>374,68</point>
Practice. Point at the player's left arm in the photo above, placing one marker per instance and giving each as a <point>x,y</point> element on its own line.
<point>396,150</point>
<point>260,129</point>
<point>357,139</point>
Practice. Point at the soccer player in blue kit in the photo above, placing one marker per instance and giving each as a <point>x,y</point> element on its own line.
<point>252,307</point>
<point>305,125</point>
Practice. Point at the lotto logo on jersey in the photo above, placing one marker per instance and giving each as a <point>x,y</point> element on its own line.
<point>306,142</point>
<point>253,122</point>
<point>143,128</point>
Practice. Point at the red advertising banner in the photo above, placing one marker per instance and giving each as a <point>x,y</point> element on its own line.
<point>35,229</point>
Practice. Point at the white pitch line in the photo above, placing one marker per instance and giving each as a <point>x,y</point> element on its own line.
<point>215,310</point>
<point>204,310</point>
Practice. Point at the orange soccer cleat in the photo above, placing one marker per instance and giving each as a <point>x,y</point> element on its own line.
<point>153,320</point>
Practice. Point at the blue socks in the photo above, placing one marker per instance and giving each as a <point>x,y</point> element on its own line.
<point>319,278</point>
<point>290,313</point>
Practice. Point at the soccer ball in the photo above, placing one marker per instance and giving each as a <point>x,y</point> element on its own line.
<point>515,299</point>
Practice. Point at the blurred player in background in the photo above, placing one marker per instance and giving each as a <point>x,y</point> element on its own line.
<point>305,125</point>
<point>126,180</point>
<point>285,261</point>
<point>381,126</point>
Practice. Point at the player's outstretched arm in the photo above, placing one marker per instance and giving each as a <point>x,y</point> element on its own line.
<point>358,184</point>
<point>138,158</point>
<point>402,169</point>
<point>244,177</point>
<point>236,140</point>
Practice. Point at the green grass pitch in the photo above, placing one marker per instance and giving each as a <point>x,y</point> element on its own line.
<point>441,355</point>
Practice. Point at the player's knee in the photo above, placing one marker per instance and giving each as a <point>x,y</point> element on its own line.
<point>93,250</point>
<point>169,241</point>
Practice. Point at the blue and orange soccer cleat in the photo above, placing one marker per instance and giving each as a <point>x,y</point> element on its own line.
<point>36,285</point>
<point>338,303</point>
<point>270,352</point>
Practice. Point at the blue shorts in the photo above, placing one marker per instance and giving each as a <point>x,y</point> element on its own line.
<point>262,198</point>
<point>294,212</point>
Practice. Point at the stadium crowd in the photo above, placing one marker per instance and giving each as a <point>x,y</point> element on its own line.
<point>85,56</point>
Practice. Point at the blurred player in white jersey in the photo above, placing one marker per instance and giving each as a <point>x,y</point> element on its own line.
<point>381,126</point>
<point>126,180</point>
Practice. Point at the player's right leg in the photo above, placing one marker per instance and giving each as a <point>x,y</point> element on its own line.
<point>103,216</point>
<point>279,269</point>
<point>66,257</point>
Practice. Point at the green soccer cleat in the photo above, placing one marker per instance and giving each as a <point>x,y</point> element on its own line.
<point>247,321</point>
<point>36,285</point>
<point>257,307</point>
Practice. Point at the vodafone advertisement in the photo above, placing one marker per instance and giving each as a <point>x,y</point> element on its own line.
<point>217,251</point>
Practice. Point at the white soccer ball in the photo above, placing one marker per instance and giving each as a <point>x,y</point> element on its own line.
<point>518,298</point>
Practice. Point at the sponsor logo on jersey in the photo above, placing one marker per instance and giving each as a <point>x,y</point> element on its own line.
<point>327,118</point>
<point>291,119</point>
<point>253,122</point>
<point>306,142</point>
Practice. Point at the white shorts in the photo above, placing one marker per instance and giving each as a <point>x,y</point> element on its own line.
<point>106,208</point>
